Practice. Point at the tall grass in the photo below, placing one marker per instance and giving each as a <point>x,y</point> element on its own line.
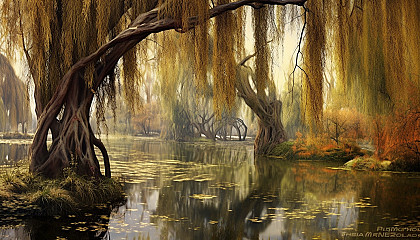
<point>36,195</point>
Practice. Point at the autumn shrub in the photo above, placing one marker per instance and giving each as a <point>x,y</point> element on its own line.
<point>397,138</point>
<point>318,147</point>
<point>341,125</point>
<point>311,144</point>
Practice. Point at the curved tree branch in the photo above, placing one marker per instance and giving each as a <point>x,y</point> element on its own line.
<point>107,56</point>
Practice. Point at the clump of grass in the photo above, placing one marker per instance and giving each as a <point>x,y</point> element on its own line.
<point>49,197</point>
<point>284,150</point>
<point>367,163</point>
<point>51,200</point>
<point>91,191</point>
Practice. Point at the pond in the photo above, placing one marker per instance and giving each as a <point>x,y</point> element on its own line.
<point>219,191</point>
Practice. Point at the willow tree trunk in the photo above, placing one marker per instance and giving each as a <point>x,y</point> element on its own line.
<point>73,139</point>
<point>268,110</point>
<point>270,129</point>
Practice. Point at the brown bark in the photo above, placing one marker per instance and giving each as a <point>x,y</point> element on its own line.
<point>270,128</point>
<point>74,145</point>
<point>205,125</point>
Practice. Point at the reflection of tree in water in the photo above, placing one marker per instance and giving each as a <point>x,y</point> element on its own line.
<point>253,193</point>
<point>208,153</point>
<point>11,153</point>
<point>227,206</point>
<point>277,184</point>
<point>89,226</point>
<point>397,197</point>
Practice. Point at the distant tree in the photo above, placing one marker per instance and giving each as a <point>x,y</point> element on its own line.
<point>14,99</point>
<point>291,112</point>
<point>3,116</point>
<point>344,124</point>
<point>187,113</point>
<point>147,120</point>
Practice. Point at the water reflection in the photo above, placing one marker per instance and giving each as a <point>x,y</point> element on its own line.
<point>13,151</point>
<point>82,226</point>
<point>215,191</point>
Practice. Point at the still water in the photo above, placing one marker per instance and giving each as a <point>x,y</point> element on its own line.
<point>219,191</point>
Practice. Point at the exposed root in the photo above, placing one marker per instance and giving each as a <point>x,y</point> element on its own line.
<point>98,143</point>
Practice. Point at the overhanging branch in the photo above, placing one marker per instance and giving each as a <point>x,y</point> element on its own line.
<point>109,54</point>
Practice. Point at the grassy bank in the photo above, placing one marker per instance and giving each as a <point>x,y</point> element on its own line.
<point>332,152</point>
<point>23,193</point>
<point>374,164</point>
<point>350,154</point>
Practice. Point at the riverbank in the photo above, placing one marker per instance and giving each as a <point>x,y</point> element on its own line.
<point>27,194</point>
<point>351,155</point>
<point>15,135</point>
<point>297,150</point>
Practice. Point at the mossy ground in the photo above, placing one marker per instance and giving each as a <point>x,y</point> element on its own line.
<point>368,163</point>
<point>374,164</point>
<point>24,193</point>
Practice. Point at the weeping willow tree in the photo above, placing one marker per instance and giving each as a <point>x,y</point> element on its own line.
<point>375,53</point>
<point>186,86</point>
<point>53,35</point>
<point>73,47</point>
<point>175,85</point>
<point>14,104</point>
<point>230,77</point>
<point>365,52</point>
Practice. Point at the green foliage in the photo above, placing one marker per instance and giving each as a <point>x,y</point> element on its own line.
<point>283,150</point>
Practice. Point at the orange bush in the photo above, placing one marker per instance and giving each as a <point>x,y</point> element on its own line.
<point>328,147</point>
<point>397,137</point>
